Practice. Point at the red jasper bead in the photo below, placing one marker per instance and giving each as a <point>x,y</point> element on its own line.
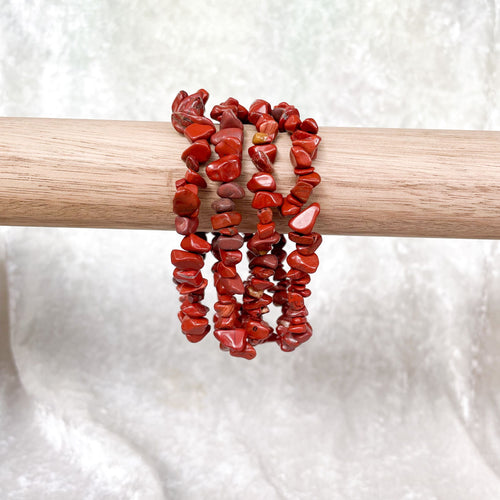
<point>292,123</point>
<point>195,178</point>
<point>299,157</point>
<point>199,150</point>
<point>186,225</point>
<point>225,219</point>
<point>293,200</point>
<point>303,239</point>
<point>261,181</point>
<point>194,310</point>
<point>196,131</point>
<point>197,338</point>
<point>229,146</point>
<point>193,243</point>
<point>194,326</point>
<point>304,222</point>
<point>265,230</point>
<point>256,109</point>
<point>224,133</point>
<point>259,284</point>
<point>229,119</point>
<point>232,339</point>
<point>231,190</point>
<point>185,202</point>
<point>295,300</point>
<point>181,120</point>
<point>309,125</point>
<point>230,103</point>
<point>265,215</point>
<point>226,271</point>
<point>178,99</point>
<point>230,257</point>
<point>270,261</point>
<point>229,242</point>
<point>264,199</point>
<point>224,310</point>
<point>186,260</point>
<point>306,263</point>
<point>225,322</point>
<point>310,145</point>
<point>302,191</point>
<point>262,162</point>
<point>310,248</point>
<point>257,330</point>
<point>314,178</point>
<point>189,276</point>
<point>269,150</point>
<point>192,163</point>
<point>268,127</point>
<point>228,231</point>
<point>225,169</point>
<point>231,286</point>
<point>223,205</point>
<point>288,209</point>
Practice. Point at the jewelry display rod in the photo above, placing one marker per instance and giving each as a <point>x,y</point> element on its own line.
<point>121,174</point>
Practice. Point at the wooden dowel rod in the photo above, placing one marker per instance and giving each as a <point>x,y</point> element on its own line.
<point>119,174</point>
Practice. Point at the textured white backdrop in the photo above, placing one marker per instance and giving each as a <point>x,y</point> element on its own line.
<point>397,394</point>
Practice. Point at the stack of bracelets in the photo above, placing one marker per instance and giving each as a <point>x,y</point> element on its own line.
<point>238,324</point>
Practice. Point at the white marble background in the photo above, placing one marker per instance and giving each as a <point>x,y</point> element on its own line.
<point>397,394</point>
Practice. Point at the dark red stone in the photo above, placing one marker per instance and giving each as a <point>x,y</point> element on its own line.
<point>196,131</point>
<point>224,310</point>
<point>199,150</point>
<point>230,257</point>
<point>256,109</point>
<point>225,169</point>
<point>231,190</point>
<point>195,310</point>
<point>226,271</point>
<point>306,263</point>
<point>310,145</point>
<point>185,202</point>
<point>194,326</point>
<point>268,127</point>
<point>193,243</point>
<point>265,215</point>
<point>304,222</point>
<point>189,276</point>
<point>288,209</point>
<point>229,146</point>
<point>192,163</point>
<point>266,230</point>
<point>292,123</point>
<point>270,261</point>
<point>299,157</point>
<point>231,286</point>
<point>309,125</point>
<point>229,119</point>
<point>302,190</point>
<point>178,99</point>
<point>229,242</point>
<point>186,260</point>
<point>269,150</point>
<point>186,225</point>
<point>310,248</point>
<point>261,181</point>
<point>223,205</point>
<point>227,132</point>
<point>262,162</point>
<point>195,178</point>
<point>264,199</point>
<point>314,179</point>
<point>225,219</point>
<point>181,120</point>
<point>302,239</point>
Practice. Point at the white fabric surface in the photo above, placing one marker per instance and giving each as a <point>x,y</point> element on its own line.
<point>396,396</point>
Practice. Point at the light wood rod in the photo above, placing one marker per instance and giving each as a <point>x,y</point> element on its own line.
<point>120,174</point>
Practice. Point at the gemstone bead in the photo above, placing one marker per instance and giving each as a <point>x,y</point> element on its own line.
<point>261,181</point>
<point>186,260</point>
<point>313,178</point>
<point>185,202</point>
<point>186,225</point>
<point>224,133</point>
<point>302,190</point>
<point>310,248</point>
<point>309,125</point>
<point>256,109</point>
<point>299,157</point>
<point>262,138</point>
<point>199,150</point>
<point>225,169</point>
<point>195,178</point>
<point>306,263</point>
<point>269,150</point>
<point>288,209</point>
<point>265,215</point>
<point>262,162</point>
<point>228,146</point>
<point>230,257</point>
<point>264,199</point>
<point>230,242</point>
<point>304,222</point>
<point>193,243</point>
<point>223,205</point>
<point>196,131</point>
<point>231,190</point>
<point>225,219</point>
<point>194,326</point>
<point>229,119</point>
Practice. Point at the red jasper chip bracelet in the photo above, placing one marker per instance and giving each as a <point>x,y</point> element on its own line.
<point>239,326</point>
